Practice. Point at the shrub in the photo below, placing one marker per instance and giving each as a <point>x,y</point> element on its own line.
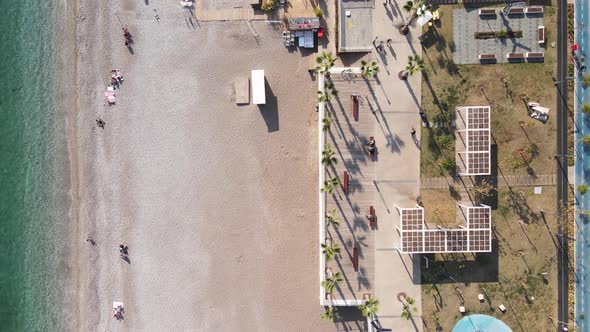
<point>448,165</point>
<point>582,189</point>
<point>318,12</point>
<point>445,141</point>
<point>586,80</point>
<point>586,140</point>
<point>586,108</point>
<point>269,5</point>
<point>502,34</point>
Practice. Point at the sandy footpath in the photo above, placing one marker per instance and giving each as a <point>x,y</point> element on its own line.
<point>216,202</point>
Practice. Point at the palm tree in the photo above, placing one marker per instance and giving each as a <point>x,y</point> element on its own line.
<point>408,6</point>
<point>327,121</point>
<point>330,185</point>
<point>323,96</point>
<point>411,8</point>
<point>328,158</point>
<point>408,308</point>
<point>330,250</point>
<point>330,86</point>
<point>369,69</point>
<point>325,62</point>
<point>331,314</point>
<point>332,219</point>
<point>415,64</point>
<point>370,307</point>
<point>330,283</point>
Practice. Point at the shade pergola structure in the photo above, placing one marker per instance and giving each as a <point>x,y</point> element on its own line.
<point>473,143</point>
<point>475,235</point>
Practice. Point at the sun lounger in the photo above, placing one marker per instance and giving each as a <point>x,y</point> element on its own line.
<point>372,214</point>
<point>355,258</point>
<point>110,98</point>
<point>371,153</point>
<point>502,308</point>
<point>345,182</point>
<point>541,35</point>
<point>487,57</point>
<point>462,309</point>
<point>516,11</point>
<point>536,56</point>
<point>355,107</point>
<point>534,10</point>
<point>480,297</point>
<point>515,56</point>
<point>487,11</point>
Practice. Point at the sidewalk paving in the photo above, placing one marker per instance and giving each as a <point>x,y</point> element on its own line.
<point>503,181</point>
<point>398,176</point>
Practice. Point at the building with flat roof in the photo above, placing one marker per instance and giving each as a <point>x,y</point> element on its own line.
<point>355,25</point>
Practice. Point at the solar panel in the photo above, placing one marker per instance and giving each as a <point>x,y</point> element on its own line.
<point>476,126</point>
<point>474,237</point>
<point>435,241</point>
<point>412,219</point>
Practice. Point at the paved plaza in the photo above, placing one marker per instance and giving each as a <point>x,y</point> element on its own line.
<point>466,21</point>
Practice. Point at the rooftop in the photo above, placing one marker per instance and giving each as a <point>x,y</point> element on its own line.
<point>355,25</point>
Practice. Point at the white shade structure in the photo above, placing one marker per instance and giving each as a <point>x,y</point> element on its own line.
<point>425,17</point>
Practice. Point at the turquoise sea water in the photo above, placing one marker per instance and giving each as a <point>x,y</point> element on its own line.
<point>34,199</point>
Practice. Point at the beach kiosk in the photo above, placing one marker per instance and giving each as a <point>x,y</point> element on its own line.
<point>258,89</point>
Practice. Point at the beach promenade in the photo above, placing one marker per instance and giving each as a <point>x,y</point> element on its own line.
<point>399,169</point>
<point>388,112</point>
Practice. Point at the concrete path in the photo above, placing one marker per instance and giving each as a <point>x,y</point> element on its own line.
<point>398,169</point>
<point>503,181</point>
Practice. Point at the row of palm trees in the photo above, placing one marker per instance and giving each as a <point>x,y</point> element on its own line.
<point>368,309</point>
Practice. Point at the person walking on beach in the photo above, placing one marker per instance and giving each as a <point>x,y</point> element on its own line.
<point>123,250</point>
<point>100,123</point>
<point>389,41</point>
<point>413,132</point>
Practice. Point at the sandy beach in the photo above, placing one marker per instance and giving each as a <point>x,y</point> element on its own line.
<point>216,202</point>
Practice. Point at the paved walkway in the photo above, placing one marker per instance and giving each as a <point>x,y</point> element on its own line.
<point>503,181</point>
<point>395,178</point>
<point>466,21</point>
<point>398,168</point>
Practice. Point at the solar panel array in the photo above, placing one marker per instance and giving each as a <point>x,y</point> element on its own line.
<point>417,238</point>
<point>477,145</point>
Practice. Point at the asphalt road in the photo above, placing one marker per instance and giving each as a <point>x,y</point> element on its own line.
<point>561,159</point>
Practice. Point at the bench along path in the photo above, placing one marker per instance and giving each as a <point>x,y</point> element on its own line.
<point>503,181</point>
